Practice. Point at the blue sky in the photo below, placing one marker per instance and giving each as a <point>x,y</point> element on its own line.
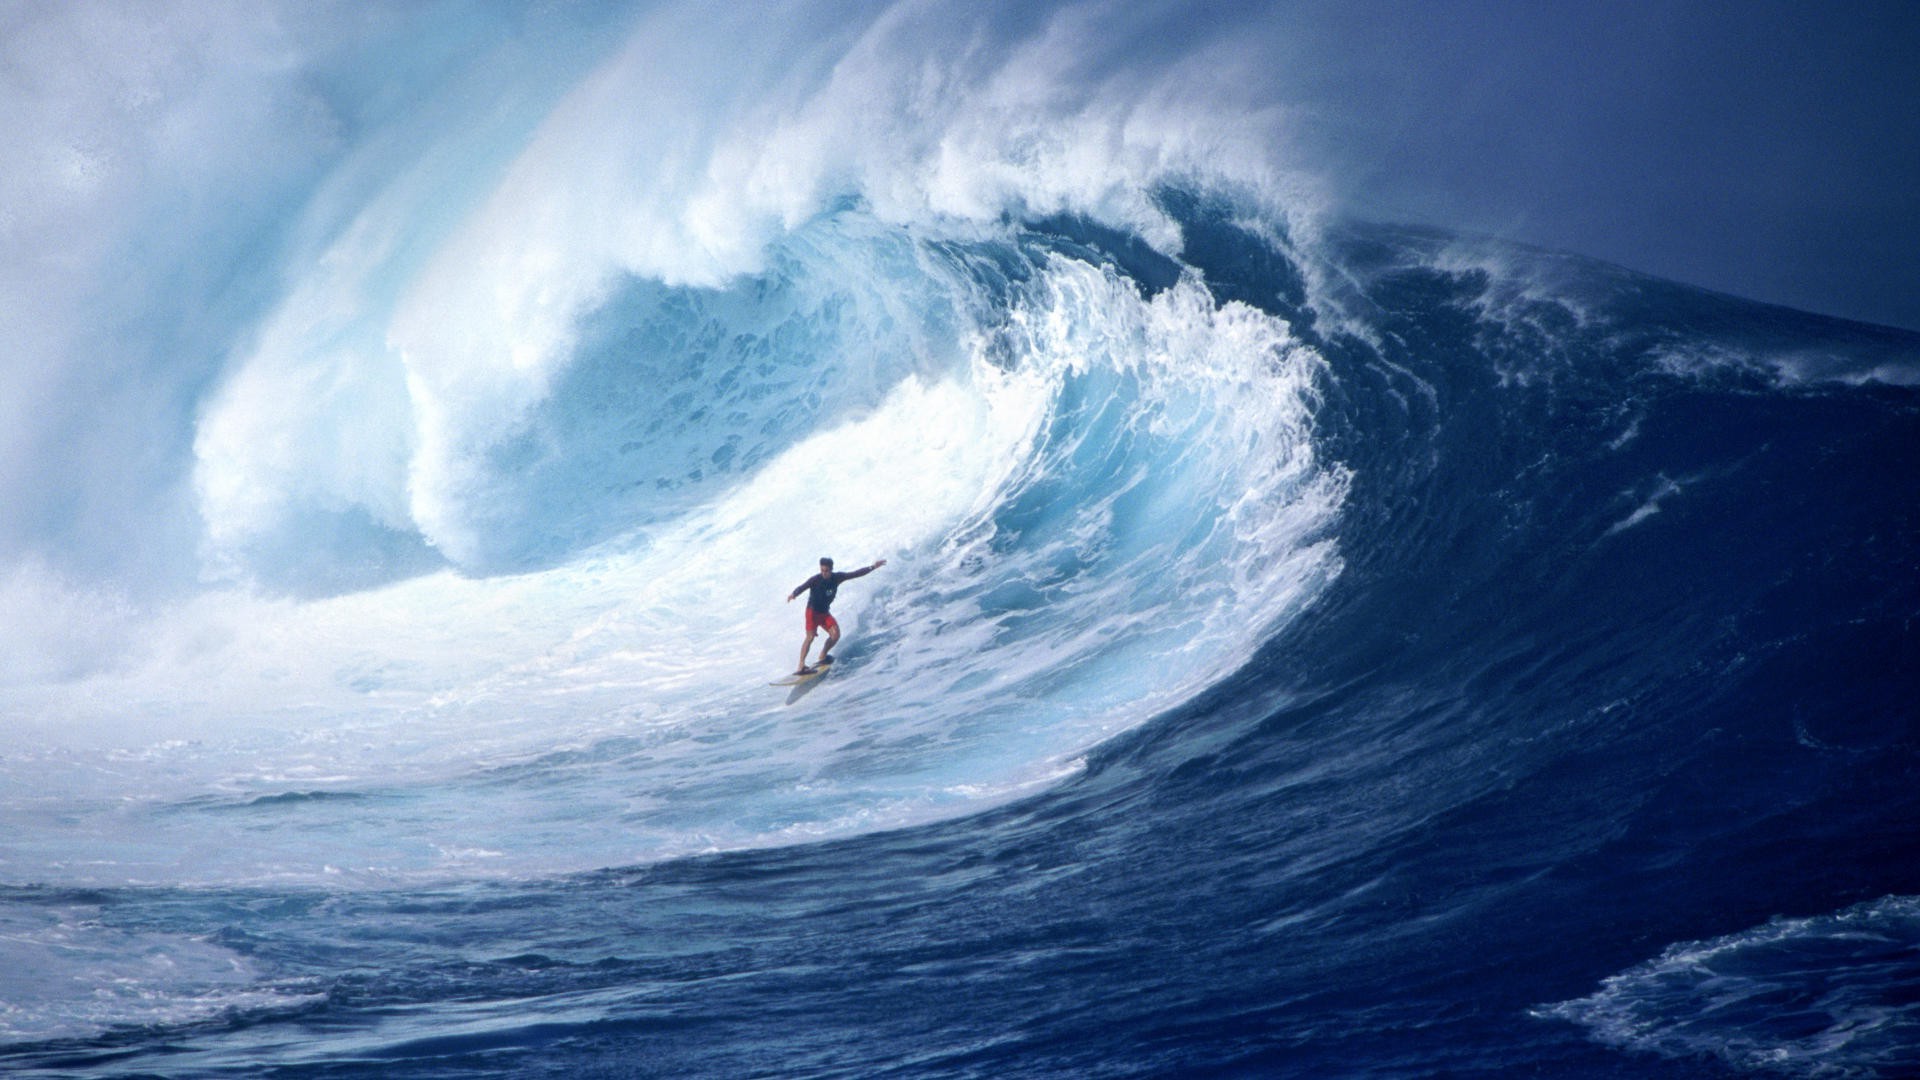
<point>1763,148</point>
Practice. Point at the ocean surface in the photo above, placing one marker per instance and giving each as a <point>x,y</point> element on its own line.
<point>1307,647</point>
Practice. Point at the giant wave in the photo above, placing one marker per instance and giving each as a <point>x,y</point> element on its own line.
<point>517,472</point>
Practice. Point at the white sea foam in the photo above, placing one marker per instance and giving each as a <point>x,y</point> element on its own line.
<point>384,379</point>
<point>1079,538</point>
<point>70,974</point>
<point>1823,996</point>
<point>1096,501</point>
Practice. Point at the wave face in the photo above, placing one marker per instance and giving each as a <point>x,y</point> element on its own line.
<point>1305,648</point>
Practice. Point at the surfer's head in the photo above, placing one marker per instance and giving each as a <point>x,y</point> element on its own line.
<point>826,563</point>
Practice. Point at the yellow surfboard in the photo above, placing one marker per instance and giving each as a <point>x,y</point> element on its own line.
<point>808,675</point>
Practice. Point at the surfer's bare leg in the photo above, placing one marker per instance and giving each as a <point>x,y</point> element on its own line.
<point>833,638</point>
<point>804,646</point>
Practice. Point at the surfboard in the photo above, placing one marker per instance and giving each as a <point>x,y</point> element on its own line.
<point>809,675</point>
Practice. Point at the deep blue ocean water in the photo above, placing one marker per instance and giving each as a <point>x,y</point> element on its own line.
<point>1307,650</point>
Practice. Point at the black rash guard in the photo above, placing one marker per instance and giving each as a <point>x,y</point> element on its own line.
<point>821,588</point>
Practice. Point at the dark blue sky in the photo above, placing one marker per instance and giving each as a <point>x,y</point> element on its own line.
<point>1763,148</point>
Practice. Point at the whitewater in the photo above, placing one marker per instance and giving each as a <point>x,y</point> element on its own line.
<point>1306,647</point>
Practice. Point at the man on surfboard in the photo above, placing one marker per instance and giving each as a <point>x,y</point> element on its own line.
<point>820,589</point>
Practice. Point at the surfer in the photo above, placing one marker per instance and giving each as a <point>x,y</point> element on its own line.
<point>820,589</point>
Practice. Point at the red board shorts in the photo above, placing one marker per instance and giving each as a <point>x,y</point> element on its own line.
<point>819,620</point>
